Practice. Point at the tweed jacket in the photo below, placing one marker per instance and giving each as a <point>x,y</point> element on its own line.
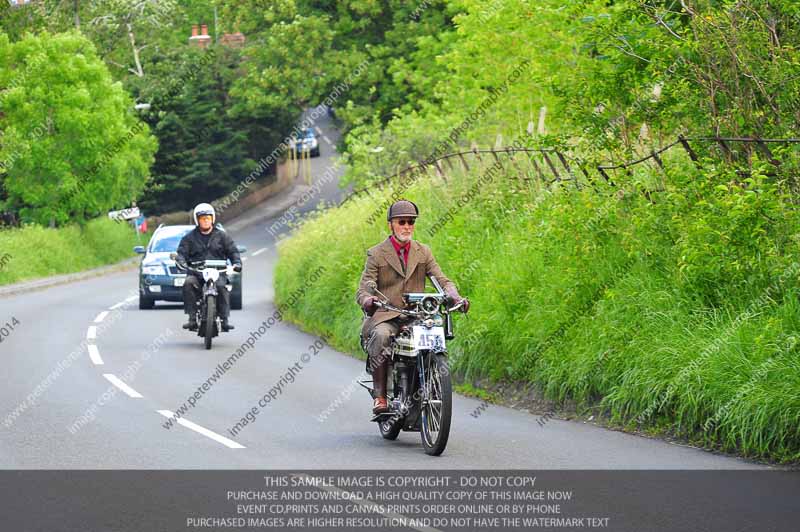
<point>384,268</point>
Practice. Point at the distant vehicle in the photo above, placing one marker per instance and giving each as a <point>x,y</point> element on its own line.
<point>159,277</point>
<point>307,141</point>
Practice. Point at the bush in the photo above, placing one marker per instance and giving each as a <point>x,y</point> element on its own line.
<point>35,251</point>
<point>675,313</point>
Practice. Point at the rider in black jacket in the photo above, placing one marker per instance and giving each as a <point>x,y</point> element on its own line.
<point>206,243</point>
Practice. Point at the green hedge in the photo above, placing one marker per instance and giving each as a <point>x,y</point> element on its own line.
<point>34,251</point>
<point>676,314</point>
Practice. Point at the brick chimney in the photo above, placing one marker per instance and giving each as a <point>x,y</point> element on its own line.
<point>203,39</point>
<point>233,40</point>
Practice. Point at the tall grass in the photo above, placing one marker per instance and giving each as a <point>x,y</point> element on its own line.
<point>34,251</point>
<point>602,297</point>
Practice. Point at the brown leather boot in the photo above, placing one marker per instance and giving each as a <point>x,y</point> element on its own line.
<point>380,406</point>
<point>379,373</point>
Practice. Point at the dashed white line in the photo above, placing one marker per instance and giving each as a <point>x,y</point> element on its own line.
<point>202,430</point>
<point>327,139</point>
<point>259,252</point>
<point>122,303</point>
<point>100,317</point>
<point>91,332</point>
<point>113,379</point>
<point>94,354</point>
<point>319,131</point>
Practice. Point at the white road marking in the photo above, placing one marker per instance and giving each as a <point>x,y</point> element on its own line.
<point>91,333</point>
<point>327,140</point>
<point>319,131</point>
<point>259,252</point>
<point>374,507</point>
<point>94,354</point>
<point>113,379</point>
<point>244,259</point>
<point>122,303</point>
<point>100,317</point>
<point>204,431</point>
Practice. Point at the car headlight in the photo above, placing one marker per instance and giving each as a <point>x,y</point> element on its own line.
<point>156,269</point>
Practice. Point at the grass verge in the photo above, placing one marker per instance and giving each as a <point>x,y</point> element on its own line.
<point>675,314</point>
<point>33,252</point>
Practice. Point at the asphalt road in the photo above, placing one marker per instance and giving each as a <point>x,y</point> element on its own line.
<point>52,378</point>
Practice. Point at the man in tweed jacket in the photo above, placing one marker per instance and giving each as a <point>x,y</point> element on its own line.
<point>397,265</point>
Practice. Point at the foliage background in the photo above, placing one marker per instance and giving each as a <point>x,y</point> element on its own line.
<point>676,314</point>
<point>673,314</point>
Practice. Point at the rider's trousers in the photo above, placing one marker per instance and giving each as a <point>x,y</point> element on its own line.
<point>378,351</point>
<point>193,290</point>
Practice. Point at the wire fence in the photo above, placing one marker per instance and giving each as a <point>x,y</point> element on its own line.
<point>550,165</point>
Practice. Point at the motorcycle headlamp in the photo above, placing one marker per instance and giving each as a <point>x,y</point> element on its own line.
<point>429,304</point>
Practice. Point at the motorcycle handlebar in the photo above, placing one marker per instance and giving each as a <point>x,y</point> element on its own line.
<point>188,269</point>
<point>385,305</point>
<point>456,307</point>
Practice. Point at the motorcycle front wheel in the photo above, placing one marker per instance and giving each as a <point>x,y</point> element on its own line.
<point>437,405</point>
<point>211,319</point>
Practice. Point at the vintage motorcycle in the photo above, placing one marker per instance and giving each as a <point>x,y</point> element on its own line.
<point>208,322</point>
<point>419,388</point>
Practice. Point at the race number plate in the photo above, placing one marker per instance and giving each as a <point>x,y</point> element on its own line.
<point>425,338</point>
<point>179,281</point>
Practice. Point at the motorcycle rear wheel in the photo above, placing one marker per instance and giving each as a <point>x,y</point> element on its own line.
<point>437,409</point>
<point>211,319</point>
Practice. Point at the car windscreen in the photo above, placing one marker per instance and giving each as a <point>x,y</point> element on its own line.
<point>168,243</point>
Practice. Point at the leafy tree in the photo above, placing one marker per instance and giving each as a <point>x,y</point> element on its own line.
<point>126,29</point>
<point>71,146</point>
<point>205,148</point>
<point>382,53</point>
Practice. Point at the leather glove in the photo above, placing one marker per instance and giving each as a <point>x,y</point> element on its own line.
<point>369,305</point>
<point>455,299</point>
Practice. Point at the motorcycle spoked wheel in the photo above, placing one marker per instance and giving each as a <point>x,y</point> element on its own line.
<point>437,409</point>
<point>211,320</point>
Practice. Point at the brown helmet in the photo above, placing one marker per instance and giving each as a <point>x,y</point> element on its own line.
<point>402,209</point>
